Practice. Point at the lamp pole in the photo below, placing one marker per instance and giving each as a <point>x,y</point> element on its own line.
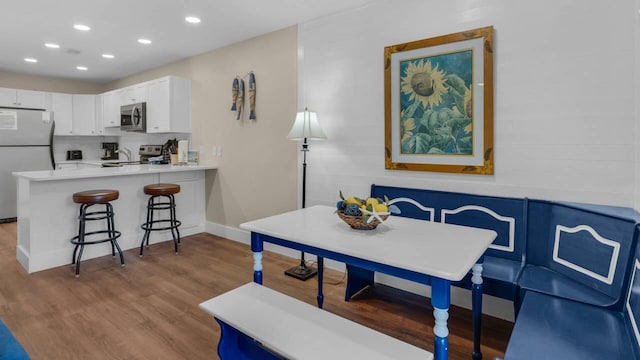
<point>302,271</point>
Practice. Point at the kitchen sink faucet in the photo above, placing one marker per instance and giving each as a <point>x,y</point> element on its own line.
<point>126,152</point>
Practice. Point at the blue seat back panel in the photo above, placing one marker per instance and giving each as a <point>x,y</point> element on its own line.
<point>503,215</point>
<point>632,305</point>
<point>594,249</point>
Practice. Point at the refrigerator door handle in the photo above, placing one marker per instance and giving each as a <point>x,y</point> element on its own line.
<point>53,160</point>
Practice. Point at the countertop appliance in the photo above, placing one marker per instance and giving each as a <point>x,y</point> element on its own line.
<point>133,117</point>
<point>110,151</point>
<point>26,143</point>
<point>149,151</point>
<point>74,154</point>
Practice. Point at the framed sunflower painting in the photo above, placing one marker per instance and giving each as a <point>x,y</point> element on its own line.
<point>439,103</point>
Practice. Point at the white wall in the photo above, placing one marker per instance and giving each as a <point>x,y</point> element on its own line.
<point>564,97</point>
<point>564,88</point>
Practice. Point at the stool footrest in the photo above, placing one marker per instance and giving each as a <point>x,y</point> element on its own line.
<point>148,226</point>
<point>116,234</point>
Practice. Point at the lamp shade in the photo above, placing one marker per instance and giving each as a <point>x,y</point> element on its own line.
<point>306,126</point>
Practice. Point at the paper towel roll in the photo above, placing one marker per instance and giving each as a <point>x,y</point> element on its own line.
<point>183,151</point>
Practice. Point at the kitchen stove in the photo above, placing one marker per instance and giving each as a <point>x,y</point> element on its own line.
<point>149,151</point>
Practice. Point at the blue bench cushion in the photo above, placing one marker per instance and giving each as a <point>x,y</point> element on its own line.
<point>553,328</point>
<point>10,348</point>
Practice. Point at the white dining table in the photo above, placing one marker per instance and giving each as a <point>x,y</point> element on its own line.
<point>408,248</point>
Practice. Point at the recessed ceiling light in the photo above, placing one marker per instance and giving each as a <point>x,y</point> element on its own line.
<point>81,27</point>
<point>192,19</point>
<point>108,56</point>
<point>144,41</point>
<point>82,68</point>
<point>52,45</point>
<point>31,60</point>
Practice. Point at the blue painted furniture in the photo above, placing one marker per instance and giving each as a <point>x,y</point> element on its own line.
<point>420,251</point>
<point>10,348</point>
<point>553,327</point>
<point>260,323</point>
<point>579,252</point>
<point>504,259</point>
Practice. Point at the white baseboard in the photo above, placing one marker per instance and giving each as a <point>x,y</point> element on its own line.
<point>491,305</point>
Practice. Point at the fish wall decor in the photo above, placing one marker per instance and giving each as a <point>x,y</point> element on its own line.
<point>234,94</point>
<point>240,101</point>
<point>252,96</point>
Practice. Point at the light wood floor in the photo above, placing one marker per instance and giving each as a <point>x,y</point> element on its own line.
<point>149,309</point>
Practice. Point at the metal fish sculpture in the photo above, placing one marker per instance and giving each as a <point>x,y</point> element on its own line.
<point>234,94</point>
<point>252,97</point>
<point>240,101</point>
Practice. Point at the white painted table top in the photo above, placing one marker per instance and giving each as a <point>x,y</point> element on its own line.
<point>270,317</point>
<point>93,172</point>
<point>442,250</point>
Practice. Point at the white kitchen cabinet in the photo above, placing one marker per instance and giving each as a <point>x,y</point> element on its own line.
<point>62,108</point>
<point>99,116</point>
<point>23,98</point>
<point>111,102</point>
<point>84,115</point>
<point>134,94</point>
<point>169,105</point>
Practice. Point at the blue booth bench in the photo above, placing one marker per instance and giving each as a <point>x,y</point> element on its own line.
<point>569,268</point>
<point>504,259</point>
<point>554,327</point>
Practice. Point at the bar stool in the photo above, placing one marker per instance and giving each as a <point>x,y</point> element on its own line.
<point>160,191</point>
<point>87,199</point>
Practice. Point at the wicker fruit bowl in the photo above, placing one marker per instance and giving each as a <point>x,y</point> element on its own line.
<point>363,214</point>
<point>357,222</point>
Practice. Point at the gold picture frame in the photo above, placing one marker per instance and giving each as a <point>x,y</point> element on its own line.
<point>439,103</point>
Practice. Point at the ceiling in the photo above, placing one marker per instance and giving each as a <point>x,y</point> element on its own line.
<point>116,25</point>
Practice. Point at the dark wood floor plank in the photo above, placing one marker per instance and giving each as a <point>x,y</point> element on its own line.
<point>149,308</point>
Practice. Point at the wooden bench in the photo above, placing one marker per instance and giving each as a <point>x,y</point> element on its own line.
<point>553,327</point>
<point>504,259</point>
<point>259,323</point>
<point>579,252</point>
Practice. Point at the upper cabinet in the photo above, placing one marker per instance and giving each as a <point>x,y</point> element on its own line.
<point>62,107</point>
<point>111,102</point>
<point>169,105</point>
<point>134,94</point>
<point>23,98</point>
<point>84,115</point>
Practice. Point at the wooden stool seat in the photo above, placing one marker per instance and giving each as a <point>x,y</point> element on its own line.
<point>95,196</point>
<point>161,189</point>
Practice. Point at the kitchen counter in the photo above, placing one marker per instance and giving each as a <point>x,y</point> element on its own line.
<point>47,215</point>
<point>92,172</point>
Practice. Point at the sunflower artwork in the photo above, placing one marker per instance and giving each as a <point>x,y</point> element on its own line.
<point>436,104</point>
<point>439,103</point>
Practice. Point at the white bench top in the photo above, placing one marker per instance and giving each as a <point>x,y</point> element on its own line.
<point>297,330</point>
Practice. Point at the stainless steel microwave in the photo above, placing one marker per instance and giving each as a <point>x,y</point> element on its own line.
<point>133,117</point>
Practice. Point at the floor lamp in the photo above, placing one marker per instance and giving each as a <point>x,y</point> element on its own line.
<point>306,127</point>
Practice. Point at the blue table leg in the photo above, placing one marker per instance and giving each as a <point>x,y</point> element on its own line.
<point>441,300</point>
<point>320,277</point>
<point>257,247</point>
<point>476,279</point>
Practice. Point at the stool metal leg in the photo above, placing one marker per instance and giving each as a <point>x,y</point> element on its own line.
<point>83,211</point>
<point>80,231</point>
<point>149,224</point>
<point>174,221</point>
<point>112,234</point>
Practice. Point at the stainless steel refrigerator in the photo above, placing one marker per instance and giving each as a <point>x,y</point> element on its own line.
<point>26,143</point>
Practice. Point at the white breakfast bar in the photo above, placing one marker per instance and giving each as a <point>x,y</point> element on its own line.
<point>403,247</point>
<point>47,215</point>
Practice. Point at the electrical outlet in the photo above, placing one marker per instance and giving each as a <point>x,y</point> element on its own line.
<point>214,151</point>
<point>220,151</point>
